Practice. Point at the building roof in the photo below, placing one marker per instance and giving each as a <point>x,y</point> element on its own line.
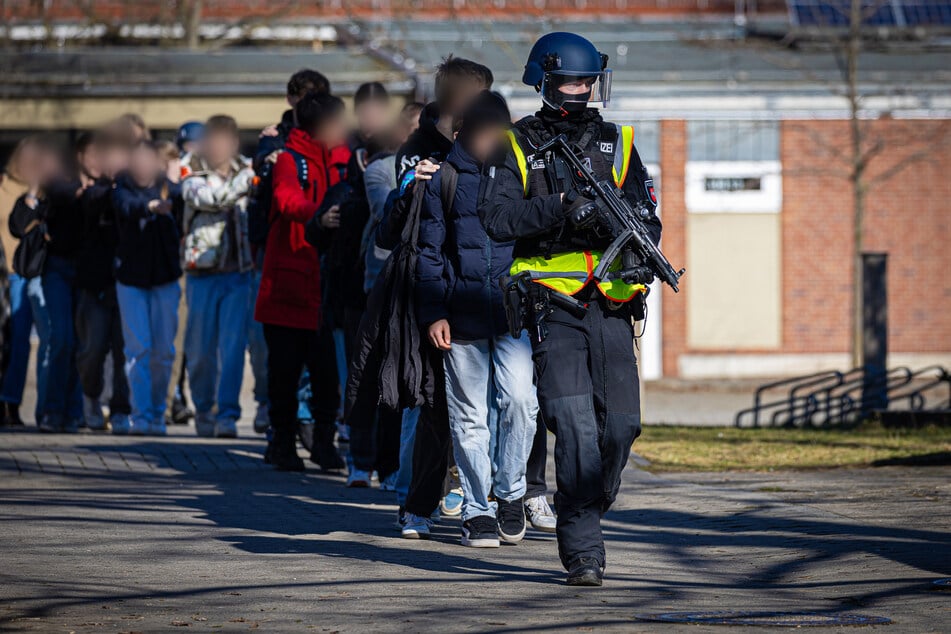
<point>661,67</point>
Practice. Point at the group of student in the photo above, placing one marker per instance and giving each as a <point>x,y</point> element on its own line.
<point>167,260</point>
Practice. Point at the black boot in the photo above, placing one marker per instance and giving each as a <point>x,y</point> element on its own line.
<point>282,453</point>
<point>10,416</point>
<point>324,452</point>
<point>586,572</point>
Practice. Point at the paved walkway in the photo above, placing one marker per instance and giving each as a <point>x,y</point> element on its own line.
<point>105,534</point>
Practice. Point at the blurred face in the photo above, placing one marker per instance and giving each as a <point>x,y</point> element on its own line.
<point>483,143</point>
<point>372,117</point>
<point>89,161</point>
<point>466,91</point>
<point>114,160</point>
<point>48,165</point>
<point>144,166</point>
<point>218,148</point>
<point>333,132</point>
<point>190,147</point>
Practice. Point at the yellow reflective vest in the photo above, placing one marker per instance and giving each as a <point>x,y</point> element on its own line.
<point>570,272</point>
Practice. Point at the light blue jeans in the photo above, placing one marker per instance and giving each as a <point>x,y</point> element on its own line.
<point>53,302</point>
<point>21,323</point>
<point>489,377</point>
<point>149,322</point>
<point>257,346</point>
<point>404,476</point>
<point>216,336</point>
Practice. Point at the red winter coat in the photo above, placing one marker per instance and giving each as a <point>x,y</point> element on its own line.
<point>290,280</point>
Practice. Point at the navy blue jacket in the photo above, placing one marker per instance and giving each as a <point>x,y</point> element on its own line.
<point>148,250</point>
<point>457,275</point>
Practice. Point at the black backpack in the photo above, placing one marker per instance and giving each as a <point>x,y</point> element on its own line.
<point>262,196</point>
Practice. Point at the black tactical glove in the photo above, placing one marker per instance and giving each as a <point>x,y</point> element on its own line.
<point>581,210</point>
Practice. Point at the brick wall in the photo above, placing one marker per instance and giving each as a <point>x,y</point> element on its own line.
<point>673,157</point>
<point>908,216</point>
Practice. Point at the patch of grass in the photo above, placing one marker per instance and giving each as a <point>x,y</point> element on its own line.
<point>729,448</point>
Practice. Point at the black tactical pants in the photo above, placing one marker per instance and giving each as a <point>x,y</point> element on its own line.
<point>588,394</point>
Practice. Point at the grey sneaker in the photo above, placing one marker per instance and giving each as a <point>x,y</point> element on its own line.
<point>226,428</point>
<point>92,413</point>
<point>205,424</point>
<point>540,515</point>
<point>262,420</point>
<point>140,428</point>
<point>121,426</point>
<point>158,428</point>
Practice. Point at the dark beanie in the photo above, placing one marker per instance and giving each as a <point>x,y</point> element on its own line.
<point>488,109</point>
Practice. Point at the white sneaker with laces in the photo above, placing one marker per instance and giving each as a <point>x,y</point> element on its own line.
<point>540,514</point>
<point>359,479</point>
<point>416,527</point>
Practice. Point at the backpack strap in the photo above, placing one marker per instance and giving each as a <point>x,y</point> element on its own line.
<point>303,174</point>
<point>450,178</point>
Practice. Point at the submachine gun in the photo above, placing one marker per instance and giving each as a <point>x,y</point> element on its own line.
<point>641,259</point>
<point>609,213</point>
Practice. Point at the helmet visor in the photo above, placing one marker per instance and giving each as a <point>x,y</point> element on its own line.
<point>565,87</point>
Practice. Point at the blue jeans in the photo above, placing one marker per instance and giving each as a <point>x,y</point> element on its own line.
<point>404,476</point>
<point>53,300</point>
<point>257,346</point>
<point>149,321</point>
<point>21,323</point>
<point>489,377</point>
<point>215,340</point>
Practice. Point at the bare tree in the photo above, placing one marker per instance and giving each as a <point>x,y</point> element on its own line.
<point>864,144</point>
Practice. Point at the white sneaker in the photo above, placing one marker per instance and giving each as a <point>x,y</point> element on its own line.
<point>416,527</point>
<point>262,419</point>
<point>359,479</point>
<point>540,514</point>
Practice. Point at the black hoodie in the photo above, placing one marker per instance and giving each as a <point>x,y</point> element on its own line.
<point>147,254</point>
<point>425,142</point>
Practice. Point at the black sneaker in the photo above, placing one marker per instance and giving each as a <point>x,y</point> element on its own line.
<point>324,453</point>
<point>284,458</point>
<point>180,413</point>
<point>482,531</point>
<point>11,415</point>
<point>586,572</point>
<point>511,517</point>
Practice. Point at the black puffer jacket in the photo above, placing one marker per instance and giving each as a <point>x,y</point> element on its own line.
<point>457,277</point>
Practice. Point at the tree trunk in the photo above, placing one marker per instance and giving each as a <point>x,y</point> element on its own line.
<point>857,177</point>
<point>192,23</point>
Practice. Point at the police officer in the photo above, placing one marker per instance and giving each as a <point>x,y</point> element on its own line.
<point>585,366</point>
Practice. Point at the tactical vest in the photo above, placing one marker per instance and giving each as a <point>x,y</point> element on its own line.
<point>607,147</point>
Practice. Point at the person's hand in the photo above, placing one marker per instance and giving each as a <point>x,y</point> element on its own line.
<point>272,157</point>
<point>271,130</point>
<point>439,335</point>
<point>331,218</point>
<point>160,207</point>
<point>425,170</point>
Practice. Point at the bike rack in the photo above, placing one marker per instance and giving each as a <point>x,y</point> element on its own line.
<point>834,397</point>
